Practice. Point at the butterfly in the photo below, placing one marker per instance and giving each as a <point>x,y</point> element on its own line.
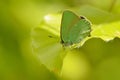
<point>73,28</point>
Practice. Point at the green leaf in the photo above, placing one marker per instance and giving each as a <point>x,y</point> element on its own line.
<point>46,43</point>
<point>106,31</point>
<point>104,58</point>
<point>76,66</point>
<point>96,15</point>
<point>46,38</point>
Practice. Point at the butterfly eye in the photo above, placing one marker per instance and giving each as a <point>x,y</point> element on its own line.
<point>81,17</point>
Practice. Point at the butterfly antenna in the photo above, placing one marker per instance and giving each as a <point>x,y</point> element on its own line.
<point>52,37</point>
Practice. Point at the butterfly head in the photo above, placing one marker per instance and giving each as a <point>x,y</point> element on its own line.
<point>65,44</point>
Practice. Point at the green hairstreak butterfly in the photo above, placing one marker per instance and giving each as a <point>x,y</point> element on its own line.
<point>73,28</point>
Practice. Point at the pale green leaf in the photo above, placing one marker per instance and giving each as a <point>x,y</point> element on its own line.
<point>46,43</point>
<point>106,31</point>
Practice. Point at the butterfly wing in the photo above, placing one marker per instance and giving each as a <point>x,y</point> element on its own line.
<point>79,31</point>
<point>68,21</point>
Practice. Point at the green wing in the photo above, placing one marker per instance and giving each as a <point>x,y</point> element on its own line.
<point>73,28</point>
<point>79,31</point>
<point>68,21</point>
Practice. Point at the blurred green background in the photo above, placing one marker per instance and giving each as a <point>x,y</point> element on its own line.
<point>95,60</point>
